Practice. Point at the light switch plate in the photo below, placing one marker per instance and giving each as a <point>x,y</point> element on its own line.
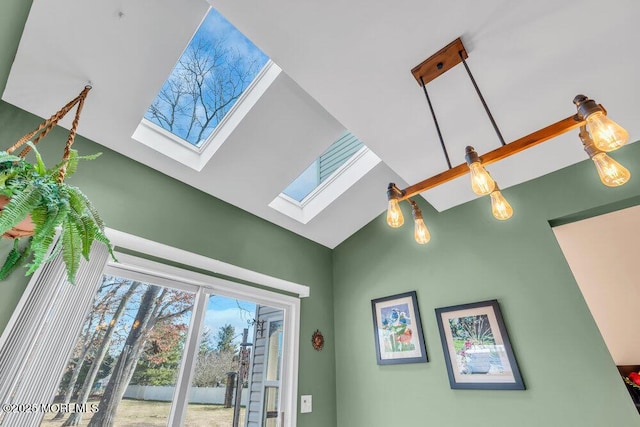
<point>305,404</point>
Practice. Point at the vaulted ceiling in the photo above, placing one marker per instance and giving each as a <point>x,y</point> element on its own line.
<point>346,65</point>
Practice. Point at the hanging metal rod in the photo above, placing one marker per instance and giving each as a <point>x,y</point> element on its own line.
<point>435,120</point>
<point>484,103</point>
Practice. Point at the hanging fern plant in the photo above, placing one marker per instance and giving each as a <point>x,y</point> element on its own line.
<point>34,190</point>
<point>41,195</point>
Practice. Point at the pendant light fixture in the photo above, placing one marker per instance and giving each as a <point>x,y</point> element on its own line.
<point>420,232</point>
<point>611,173</point>
<point>599,135</point>
<point>481,182</point>
<point>500,208</point>
<point>606,134</point>
<point>394,213</point>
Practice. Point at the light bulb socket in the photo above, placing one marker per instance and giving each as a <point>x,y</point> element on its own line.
<point>415,210</point>
<point>470,155</point>
<point>592,150</point>
<point>586,106</point>
<point>496,188</point>
<point>393,192</point>
<point>587,142</point>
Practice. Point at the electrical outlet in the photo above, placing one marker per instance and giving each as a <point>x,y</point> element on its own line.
<point>305,404</point>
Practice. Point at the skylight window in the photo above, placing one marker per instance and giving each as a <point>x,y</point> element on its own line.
<point>218,79</point>
<point>217,66</point>
<point>343,164</point>
<point>322,168</point>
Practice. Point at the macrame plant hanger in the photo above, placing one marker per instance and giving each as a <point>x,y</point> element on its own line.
<point>25,228</point>
<point>46,126</point>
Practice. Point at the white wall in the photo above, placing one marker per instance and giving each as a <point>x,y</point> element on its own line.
<point>603,254</point>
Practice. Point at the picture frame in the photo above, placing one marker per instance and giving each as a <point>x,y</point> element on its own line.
<point>397,329</point>
<point>477,349</point>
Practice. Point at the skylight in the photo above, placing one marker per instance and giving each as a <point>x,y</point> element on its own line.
<point>322,168</point>
<point>217,66</point>
<point>343,164</point>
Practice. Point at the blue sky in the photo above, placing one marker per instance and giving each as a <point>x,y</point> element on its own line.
<point>214,28</point>
<point>222,310</point>
<point>309,179</point>
<point>304,183</point>
<point>215,25</point>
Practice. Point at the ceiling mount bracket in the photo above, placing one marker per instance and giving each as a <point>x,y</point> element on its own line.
<point>440,62</point>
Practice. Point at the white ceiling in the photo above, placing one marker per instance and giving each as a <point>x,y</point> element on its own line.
<point>346,65</point>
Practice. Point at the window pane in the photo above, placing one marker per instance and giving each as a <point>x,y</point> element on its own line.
<point>213,387</point>
<point>274,351</point>
<point>323,167</point>
<point>131,341</point>
<point>215,69</point>
<point>270,407</point>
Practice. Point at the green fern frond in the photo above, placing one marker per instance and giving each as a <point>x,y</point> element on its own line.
<point>56,250</point>
<point>75,192</point>
<point>82,218</point>
<point>88,237</point>
<point>90,156</point>
<point>40,167</point>
<point>6,157</point>
<point>19,206</point>
<point>87,232</point>
<point>4,176</point>
<point>71,248</point>
<point>76,202</point>
<point>12,260</point>
<point>39,216</point>
<point>10,263</point>
<point>102,238</point>
<point>45,233</point>
<point>72,163</point>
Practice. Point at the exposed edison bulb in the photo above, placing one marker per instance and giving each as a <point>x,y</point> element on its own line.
<point>394,214</point>
<point>500,208</point>
<point>421,232</point>
<point>607,135</point>
<point>481,181</point>
<point>612,173</point>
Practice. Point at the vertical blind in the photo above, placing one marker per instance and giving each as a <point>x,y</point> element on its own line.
<point>39,339</point>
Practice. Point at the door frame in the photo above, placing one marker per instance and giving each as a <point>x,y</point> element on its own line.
<point>167,274</point>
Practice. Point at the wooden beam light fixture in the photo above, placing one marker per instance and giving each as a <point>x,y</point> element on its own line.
<point>598,133</point>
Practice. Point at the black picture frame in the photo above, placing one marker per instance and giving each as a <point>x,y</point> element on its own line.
<point>477,349</point>
<point>397,329</point>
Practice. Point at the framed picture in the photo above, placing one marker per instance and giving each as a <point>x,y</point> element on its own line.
<point>397,329</point>
<point>476,347</point>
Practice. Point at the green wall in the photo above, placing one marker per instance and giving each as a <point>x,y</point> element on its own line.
<point>138,200</point>
<point>570,377</point>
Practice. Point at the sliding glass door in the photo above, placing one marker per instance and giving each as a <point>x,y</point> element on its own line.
<point>159,351</point>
